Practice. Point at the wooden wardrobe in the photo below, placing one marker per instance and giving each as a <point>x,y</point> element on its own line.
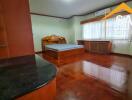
<point>16,37</point>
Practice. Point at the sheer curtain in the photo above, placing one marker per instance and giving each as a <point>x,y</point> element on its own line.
<point>117,29</point>
<point>108,29</point>
<point>94,30</point>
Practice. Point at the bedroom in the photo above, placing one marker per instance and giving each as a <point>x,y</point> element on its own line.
<point>66,49</point>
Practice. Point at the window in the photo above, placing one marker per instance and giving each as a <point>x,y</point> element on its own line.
<point>94,30</point>
<point>116,29</point>
<point>108,29</point>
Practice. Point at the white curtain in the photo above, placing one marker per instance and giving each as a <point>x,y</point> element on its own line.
<point>108,29</point>
<point>94,30</point>
<point>117,29</point>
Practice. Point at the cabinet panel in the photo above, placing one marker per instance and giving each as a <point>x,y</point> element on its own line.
<point>94,47</point>
<point>15,29</point>
<point>87,45</point>
<point>3,36</point>
<point>101,47</point>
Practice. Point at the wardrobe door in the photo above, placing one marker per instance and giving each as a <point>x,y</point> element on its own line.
<point>3,36</point>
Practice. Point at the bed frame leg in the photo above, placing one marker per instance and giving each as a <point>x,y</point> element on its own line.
<point>58,60</point>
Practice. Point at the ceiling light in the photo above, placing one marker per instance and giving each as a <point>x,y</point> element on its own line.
<point>69,1</point>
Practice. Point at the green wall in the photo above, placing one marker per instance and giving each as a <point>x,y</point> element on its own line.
<point>43,26</point>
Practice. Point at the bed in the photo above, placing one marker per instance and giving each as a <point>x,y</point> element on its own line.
<point>60,50</point>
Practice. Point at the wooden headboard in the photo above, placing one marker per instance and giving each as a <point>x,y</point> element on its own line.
<point>53,39</point>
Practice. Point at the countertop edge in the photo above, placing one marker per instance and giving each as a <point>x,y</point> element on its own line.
<point>35,88</point>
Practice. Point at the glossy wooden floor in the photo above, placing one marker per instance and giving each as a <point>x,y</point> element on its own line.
<point>94,77</point>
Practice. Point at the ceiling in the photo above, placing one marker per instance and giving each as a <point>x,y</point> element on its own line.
<point>68,8</point>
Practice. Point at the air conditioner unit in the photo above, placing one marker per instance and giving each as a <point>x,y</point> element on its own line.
<point>102,12</point>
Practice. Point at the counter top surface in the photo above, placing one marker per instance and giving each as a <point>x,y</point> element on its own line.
<point>22,75</point>
<point>95,40</point>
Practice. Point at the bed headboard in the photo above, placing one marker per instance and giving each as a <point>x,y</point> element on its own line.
<point>53,39</point>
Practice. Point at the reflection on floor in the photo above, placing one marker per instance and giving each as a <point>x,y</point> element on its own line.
<point>94,77</point>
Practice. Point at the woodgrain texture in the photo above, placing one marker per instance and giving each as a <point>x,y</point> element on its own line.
<point>74,84</point>
<point>102,47</point>
<point>61,55</point>
<point>53,39</point>
<point>18,27</point>
<point>3,36</point>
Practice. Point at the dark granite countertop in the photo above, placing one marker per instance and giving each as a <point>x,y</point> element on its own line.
<point>21,75</point>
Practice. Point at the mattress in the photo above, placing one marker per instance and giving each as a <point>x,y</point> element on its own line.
<point>63,47</point>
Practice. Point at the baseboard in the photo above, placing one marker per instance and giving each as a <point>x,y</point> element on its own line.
<point>119,54</point>
<point>38,52</point>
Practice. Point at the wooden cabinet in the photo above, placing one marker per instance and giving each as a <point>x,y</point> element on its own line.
<point>94,46</point>
<point>16,37</point>
<point>3,35</point>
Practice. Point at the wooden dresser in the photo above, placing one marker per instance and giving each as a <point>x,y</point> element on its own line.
<point>96,46</point>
